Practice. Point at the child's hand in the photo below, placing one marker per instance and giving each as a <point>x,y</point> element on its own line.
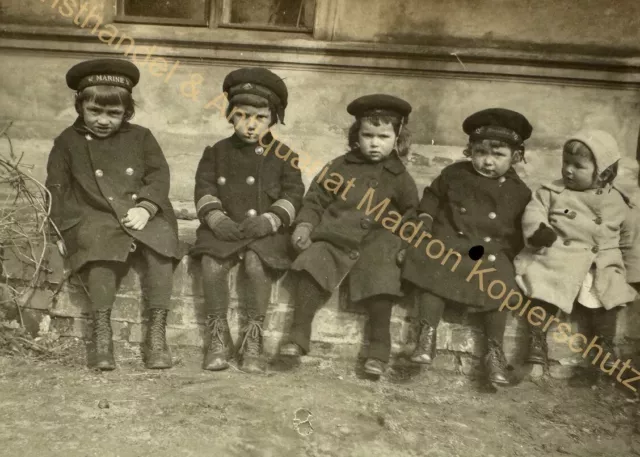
<point>543,237</point>
<point>400,256</point>
<point>136,218</point>
<point>227,230</point>
<point>256,227</point>
<point>301,238</point>
<point>62,248</point>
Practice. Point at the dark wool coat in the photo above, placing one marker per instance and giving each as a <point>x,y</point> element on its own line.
<point>469,210</point>
<point>94,182</point>
<point>594,227</point>
<point>238,178</point>
<point>349,236</point>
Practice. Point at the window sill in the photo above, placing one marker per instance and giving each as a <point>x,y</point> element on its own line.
<point>511,60</point>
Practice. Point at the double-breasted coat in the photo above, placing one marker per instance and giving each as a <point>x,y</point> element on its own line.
<point>469,211</point>
<point>594,227</point>
<point>244,180</point>
<point>349,237</point>
<point>94,182</point>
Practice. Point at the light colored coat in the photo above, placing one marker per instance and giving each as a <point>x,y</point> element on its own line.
<point>597,227</point>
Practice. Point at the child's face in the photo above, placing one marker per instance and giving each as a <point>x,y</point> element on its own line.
<point>250,122</point>
<point>578,171</point>
<point>376,141</point>
<point>102,120</point>
<point>491,161</point>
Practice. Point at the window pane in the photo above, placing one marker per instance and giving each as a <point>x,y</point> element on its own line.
<point>171,9</point>
<point>285,13</point>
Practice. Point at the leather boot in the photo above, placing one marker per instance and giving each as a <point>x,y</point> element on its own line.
<point>537,346</point>
<point>103,340</point>
<point>496,363</point>
<point>220,343</point>
<point>374,367</point>
<point>251,348</point>
<point>158,355</point>
<point>291,350</point>
<point>425,350</point>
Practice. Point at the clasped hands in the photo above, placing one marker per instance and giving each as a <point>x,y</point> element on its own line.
<point>225,229</point>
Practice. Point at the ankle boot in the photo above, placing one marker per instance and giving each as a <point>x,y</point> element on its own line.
<point>251,348</point>
<point>103,340</point>
<point>537,346</point>
<point>220,343</point>
<point>158,355</point>
<point>496,363</point>
<point>426,348</point>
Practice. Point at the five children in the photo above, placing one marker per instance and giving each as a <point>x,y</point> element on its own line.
<point>109,184</point>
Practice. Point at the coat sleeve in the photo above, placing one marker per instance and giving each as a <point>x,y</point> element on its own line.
<point>58,183</point>
<point>291,192</point>
<point>315,202</point>
<point>156,179</point>
<point>206,188</point>
<point>537,211</point>
<point>432,195</point>
<point>630,244</point>
<point>516,242</point>
<point>408,202</point>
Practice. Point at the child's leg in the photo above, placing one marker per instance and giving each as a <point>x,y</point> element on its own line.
<point>157,287</point>
<point>103,279</point>
<point>430,309</point>
<point>602,350</point>
<point>495,360</point>
<point>538,334</point>
<point>215,285</point>
<point>258,301</point>
<point>380,308</point>
<point>308,298</point>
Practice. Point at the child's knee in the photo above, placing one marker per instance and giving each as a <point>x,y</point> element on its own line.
<point>214,268</point>
<point>253,265</point>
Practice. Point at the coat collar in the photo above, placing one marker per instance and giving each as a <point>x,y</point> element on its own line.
<point>391,163</point>
<point>82,129</point>
<point>558,186</point>
<point>237,143</point>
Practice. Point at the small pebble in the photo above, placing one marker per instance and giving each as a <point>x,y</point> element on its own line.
<point>103,404</point>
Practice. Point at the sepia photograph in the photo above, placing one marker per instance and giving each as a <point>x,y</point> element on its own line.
<point>319,228</point>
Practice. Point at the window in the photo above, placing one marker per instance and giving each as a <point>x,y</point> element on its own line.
<point>289,15</point>
<point>269,14</point>
<point>178,12</point>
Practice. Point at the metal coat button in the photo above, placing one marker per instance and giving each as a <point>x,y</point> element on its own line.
<point>491,258</point>
<point>134,197</point>
<point>353,255</point>
<point>373,183</point>
<point>129,171</point>
<point>251,180</point>
<point>501,179</point>
<point>99,173</point>
<point>365,224</point>
<point>110,199</point>
<point>259,150</point>
<point>492,215</point>
<point>460,233</point>
<point>222,180</point>
<point>463,210</point>
<point>487,239</point>
<point>252,212</point>
<point>595,249</point>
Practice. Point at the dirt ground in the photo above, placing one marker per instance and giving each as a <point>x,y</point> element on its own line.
<point>62,408</point>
